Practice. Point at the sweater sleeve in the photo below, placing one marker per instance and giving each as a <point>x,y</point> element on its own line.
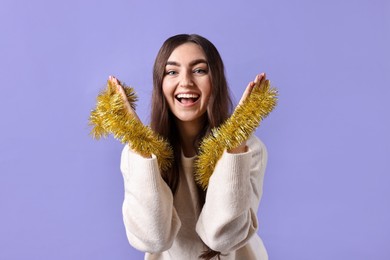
<point>228,218</point>
<point>149,217</point>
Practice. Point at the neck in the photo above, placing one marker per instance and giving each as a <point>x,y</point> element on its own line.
<point>189,131</point>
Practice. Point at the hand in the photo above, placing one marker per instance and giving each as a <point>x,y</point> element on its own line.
<point>257,83</point>
<point>120,89</point>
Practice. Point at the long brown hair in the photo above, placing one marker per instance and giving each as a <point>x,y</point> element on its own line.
<point>162,119</point>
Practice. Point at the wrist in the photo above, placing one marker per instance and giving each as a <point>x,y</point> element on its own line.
<point>242,148</point>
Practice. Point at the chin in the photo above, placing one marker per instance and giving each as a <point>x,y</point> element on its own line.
<point>190,118</point>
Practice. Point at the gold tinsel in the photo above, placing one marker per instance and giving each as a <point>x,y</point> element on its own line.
<point>234,131</point>
<point>111,117</point>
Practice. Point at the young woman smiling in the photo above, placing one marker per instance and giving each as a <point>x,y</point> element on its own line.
<point>166,214</point>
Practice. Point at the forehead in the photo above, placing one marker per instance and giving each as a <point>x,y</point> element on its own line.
<point>187,52</point>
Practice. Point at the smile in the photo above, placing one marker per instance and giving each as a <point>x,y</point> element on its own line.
<point>187,98</point>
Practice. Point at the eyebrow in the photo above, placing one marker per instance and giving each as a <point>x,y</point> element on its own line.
<point>192,63</point>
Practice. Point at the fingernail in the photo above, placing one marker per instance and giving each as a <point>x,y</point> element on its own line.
<point>256,78</point>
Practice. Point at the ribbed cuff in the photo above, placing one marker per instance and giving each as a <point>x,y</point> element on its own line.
<point>142,172</point>
<point>232,169</point>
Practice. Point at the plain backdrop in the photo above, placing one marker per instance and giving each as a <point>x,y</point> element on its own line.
<point>326,192</point>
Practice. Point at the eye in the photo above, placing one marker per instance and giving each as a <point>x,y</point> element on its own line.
<point>170,72</point>
<point>200,71</point>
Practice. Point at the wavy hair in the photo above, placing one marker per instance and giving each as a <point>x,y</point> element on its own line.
<point>162,119</point>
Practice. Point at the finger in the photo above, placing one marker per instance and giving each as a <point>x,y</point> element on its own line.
<point>259,78</point>
<point>116,82</point>
<point>121,91</point>
<point>247,92</point>
<point>113,79</point>
<point>249,88</point>
<point>260,82</point>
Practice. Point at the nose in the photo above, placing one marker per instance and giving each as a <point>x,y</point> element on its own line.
<point>186,80</point>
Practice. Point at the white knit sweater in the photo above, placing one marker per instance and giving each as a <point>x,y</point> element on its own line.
<point>177,227</point>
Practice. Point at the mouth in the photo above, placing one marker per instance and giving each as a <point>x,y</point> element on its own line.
<point>187,99</point>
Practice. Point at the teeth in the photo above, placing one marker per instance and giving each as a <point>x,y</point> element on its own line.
<point>187,96</point>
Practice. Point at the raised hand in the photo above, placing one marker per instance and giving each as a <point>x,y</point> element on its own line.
<point>257,83</point>
<point>119,88</point>
<point>115,114</point>
<point>256,103</point>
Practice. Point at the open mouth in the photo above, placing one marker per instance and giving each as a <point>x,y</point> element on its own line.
<point>187,98</point>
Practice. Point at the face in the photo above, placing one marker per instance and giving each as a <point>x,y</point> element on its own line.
<point>187,83</point>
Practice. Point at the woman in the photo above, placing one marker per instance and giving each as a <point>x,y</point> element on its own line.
<point>166,214</point>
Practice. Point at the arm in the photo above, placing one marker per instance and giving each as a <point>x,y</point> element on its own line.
<point>228,218</point>
<point>149,217</point>
<point>151,221</point>
<point>258,101</point>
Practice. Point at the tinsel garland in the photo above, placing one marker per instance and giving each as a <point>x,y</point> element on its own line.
<point>112,117</point>
<point>234,131</point>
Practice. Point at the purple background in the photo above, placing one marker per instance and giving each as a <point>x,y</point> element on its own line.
<point>326,193</point>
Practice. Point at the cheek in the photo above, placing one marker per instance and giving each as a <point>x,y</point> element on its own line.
<point>207,93</point>
<point>167,91</point>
